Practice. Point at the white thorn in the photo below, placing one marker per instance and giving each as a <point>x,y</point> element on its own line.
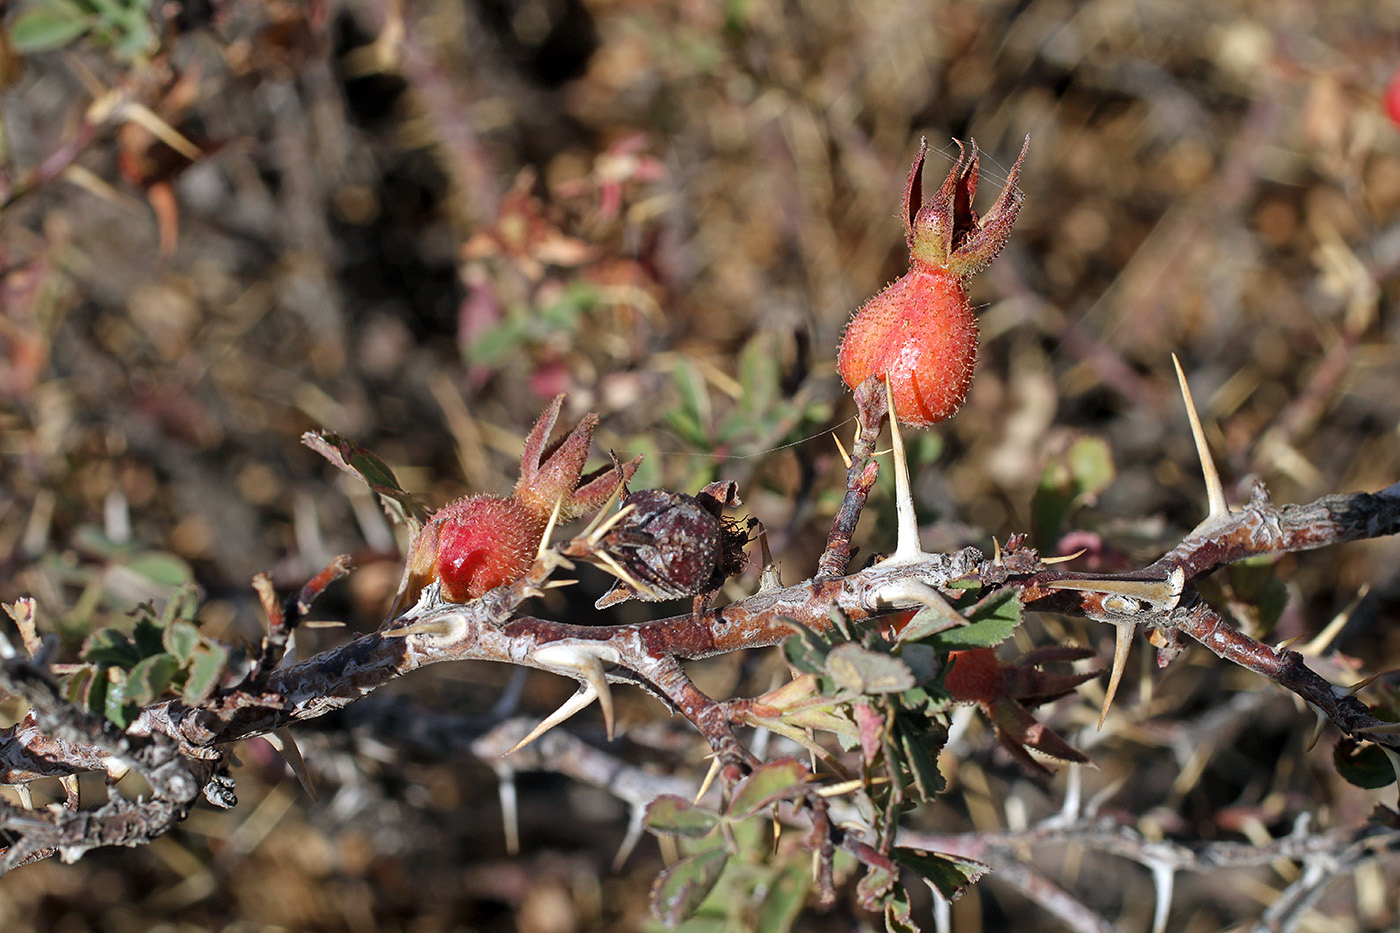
<point>26,796</point>
<point>1163,879</point>
<point>907,548</point>
<point>549,528</point>
<point>281,739</point>
<point>636,822</point>
<point>609,525</point>
<point>580,700</point>
<point>709,779</point>
<point>598,681</point>
<point>602,514</point>
<point>1163,595</point>
<point>1123,642</point>
<point>942,912</point>
<point>770,579</point>
<point>510,806</point>
<point>1063,558</point>
<point>1215,490</point>
<point>621,573</point>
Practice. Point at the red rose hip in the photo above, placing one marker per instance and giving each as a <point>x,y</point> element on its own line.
<point>920,331</point>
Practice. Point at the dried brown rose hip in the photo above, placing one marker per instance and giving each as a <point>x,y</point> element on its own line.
<point>668,545</point>
<point>920,331</point>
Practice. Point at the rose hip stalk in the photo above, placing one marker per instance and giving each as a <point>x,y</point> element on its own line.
<point>475,544</point>
<point>920,332</point>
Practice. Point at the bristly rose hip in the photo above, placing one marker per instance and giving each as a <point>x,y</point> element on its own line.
<point>920,331</point>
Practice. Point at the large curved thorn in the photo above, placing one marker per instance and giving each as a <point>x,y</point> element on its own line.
<point>1215,490</point>
<point>592,670</point>
<point>1123,643</point>
<point>585,695</point>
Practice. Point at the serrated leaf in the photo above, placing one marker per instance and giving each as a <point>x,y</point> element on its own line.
<point>928,621</point>
<point>675,816</point>
<point>149,678</point>
<point>180,639</point>
<point>205,669</point>
<point>950,875</point>
<point>350,457</point>
<point>863,671</point>
<point>1362,765</point>
<point>921,748</point>
<point>678,892</point>
<point>770,783</point>
<point>990,623</point>
<point>50,26</point>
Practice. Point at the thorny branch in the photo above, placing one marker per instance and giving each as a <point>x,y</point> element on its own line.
<point>179,748</point>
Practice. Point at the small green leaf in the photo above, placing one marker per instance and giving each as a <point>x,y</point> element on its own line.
<point>875,887</point>
<point>774,781</point>
<point>115,706</point>
<point>922,661</point>
<point>675,816</point>
<point>147,637</point>
<point>1069,481</point>
<point>109,646</point>
<point>990,623</point>
<point>207,666</point>
<point>758,373</point>
<point>949,874</point>
<point>401,505</point>
<point>49,26</point>
<point>164,570</point>
<point>929,621</point>
<point>898,917</point>
<point>921,740</point>
<point>806,650</point>
<point>180,639</point>
<point>863,671</point>
<point>1362,765</point>
<point>499,341</point>
<point>692,418</point>
<point>678,892</point>
<point>785,898</point>
<point>148,679</point>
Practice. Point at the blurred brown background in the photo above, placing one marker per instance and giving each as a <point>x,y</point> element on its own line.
<point>414,224</point>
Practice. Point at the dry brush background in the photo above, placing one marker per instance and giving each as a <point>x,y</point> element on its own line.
<point>353,248</point>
